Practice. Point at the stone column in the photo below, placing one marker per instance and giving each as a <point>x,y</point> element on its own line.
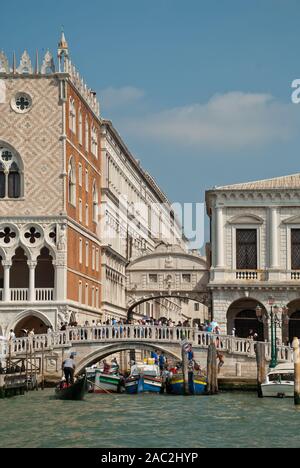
<point>32,267</point>
<point>219,238</point>
<point>6,288</point>
<point>60,280</point>
<point>274,247</point>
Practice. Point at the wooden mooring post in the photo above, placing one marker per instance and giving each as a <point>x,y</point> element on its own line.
<point>185,370</point>
<point>261,367</point>
<point>296,348</point>
<point>212,370</point>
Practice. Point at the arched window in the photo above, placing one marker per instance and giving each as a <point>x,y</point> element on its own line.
<point>72,182</point>
<point>95,203</point>
<point>14,182</point>
<point>87,135</point>
<point>72,115</point>
<point>11,173</point>
<point>2,181</point>
<point>94,142</point>
<point>80,124</point>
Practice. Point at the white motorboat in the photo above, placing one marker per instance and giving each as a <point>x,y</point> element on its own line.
<point>280,382</point>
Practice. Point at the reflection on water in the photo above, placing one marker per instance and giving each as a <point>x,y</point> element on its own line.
<point>226,420</point>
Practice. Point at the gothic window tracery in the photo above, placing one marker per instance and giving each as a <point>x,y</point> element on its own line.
<point>10,174</point>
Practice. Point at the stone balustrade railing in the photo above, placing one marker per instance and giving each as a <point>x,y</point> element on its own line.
<point>154,334</point>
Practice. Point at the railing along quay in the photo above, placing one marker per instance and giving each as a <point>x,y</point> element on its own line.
<point>154,334</point>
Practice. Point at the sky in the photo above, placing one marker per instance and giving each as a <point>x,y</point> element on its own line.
<point>199,90</point>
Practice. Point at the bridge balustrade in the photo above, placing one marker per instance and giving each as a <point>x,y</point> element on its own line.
<point>138,333</point>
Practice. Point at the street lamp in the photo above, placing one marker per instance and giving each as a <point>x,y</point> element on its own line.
<point>276,320</point>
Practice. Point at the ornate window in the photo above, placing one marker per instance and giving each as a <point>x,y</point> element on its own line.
<point>246,249</point>
<point>21,103</point>
<point>11,178</point>
<point>295,238</point>
<point>87,135</point>
<point>94,142</point>
<point>72,182</point>
<point>72,115</point>
<point>95,203</point>
<point>80,123</point>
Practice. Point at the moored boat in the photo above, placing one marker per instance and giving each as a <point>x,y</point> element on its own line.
<point>144,378</point>
<point>280,382</point>
<point>73,392</point>
<point>107,383</point>
<point>197,385</point>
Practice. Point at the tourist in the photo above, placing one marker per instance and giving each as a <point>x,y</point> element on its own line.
<point>221,361</point>
<point>162,361</point>
<point>233,332</point>
<point>154,355</point>
<point>68,368</point>
<point>12,335</point>
<point>115,368</point>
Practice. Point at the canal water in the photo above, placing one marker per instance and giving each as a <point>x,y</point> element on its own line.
<point>226,420</point>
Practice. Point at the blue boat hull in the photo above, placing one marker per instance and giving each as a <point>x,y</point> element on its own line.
<point>197,386</point>
<point>141,384</point>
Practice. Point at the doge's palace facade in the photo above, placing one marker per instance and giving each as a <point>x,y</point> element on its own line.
<point>49,193</point>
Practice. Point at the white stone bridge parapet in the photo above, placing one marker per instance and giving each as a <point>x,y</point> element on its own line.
<point>94,344</point>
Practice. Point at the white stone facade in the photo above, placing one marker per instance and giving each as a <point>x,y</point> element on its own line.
<point>136,217</point>
<point>272,210</point>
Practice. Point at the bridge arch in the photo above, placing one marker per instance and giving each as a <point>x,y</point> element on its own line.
<point>102,353</point>
<point>31,319</point>
<point>200,298</point>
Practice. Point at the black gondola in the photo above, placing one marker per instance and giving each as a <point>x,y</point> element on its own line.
<point>75,392</point>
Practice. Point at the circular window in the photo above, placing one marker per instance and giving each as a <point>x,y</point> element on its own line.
<point>21,103</point>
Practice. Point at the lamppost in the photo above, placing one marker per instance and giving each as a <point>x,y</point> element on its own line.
<point>276,321</point>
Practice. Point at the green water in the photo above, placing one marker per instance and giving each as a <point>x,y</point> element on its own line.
<point>227,420</point>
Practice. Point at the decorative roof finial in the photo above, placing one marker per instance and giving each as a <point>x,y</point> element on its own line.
<point>63,54</point>
<point>14,63</point>
<point>63,45</point>
<point>37,63</point>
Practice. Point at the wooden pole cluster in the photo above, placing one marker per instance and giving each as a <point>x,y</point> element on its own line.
<point>296,347</point>
<point>261,367</point>
<point>185,370</point>
<point>212,370</point>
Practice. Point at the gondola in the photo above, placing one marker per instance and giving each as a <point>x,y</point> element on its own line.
<point>75,392</point>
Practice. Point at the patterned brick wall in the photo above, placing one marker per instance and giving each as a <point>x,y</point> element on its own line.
<point>36,137</point>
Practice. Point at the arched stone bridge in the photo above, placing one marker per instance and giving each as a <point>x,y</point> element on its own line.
<point>167,272</point>
<point>94,344</point>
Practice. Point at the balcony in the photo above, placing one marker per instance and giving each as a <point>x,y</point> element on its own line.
<point>250,275</point>
<point>295,275</point>
<point>23,295</point>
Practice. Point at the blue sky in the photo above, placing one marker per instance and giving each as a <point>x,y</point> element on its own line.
<point>200,90</point>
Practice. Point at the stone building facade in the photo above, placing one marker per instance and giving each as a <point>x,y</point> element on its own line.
<point>136,218</point>
<point>50,251</point>
<point>255,254</point>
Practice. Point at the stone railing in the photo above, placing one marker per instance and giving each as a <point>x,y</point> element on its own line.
<point>19,294</point>
<point>295,275</point>
<point>44,294</point>
<point>249,275</point>
<point>153,334</point>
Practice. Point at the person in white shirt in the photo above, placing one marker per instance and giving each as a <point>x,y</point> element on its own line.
<point>12,335</point>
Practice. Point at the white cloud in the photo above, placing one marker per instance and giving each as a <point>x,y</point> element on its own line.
<point>230,121</point>
<point>112,98</point>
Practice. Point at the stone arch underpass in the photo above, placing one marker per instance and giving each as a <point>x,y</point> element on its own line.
<point>86,357</point>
